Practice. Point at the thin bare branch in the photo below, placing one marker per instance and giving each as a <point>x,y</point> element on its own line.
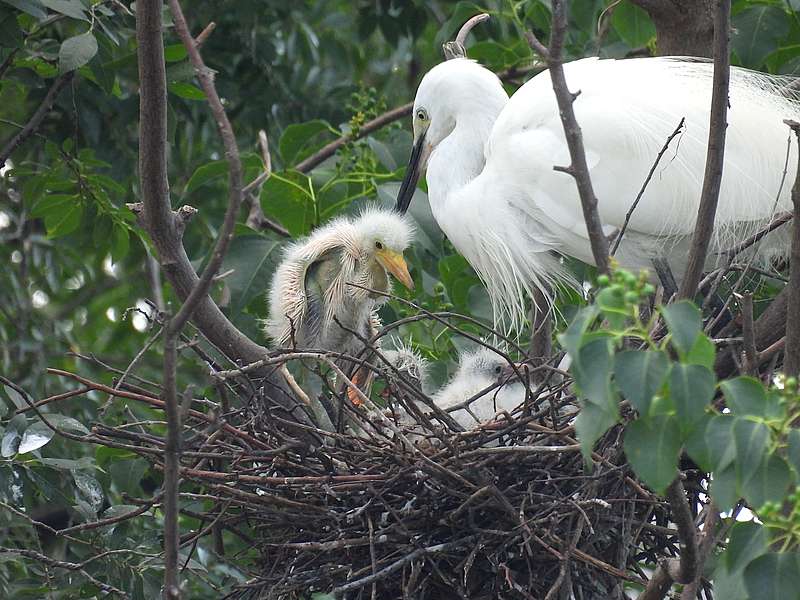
<point>629,214</point>
<point>456,48</point>
<point>718,125</point>
<point>791,361</point>
<point>578,168</point>
<point>59,83</point>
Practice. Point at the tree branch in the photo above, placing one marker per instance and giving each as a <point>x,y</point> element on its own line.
<point>572,131</point>
<point>704,227</point>
<point>36,120</point>
<point>791,360</point>
<point>685,569</point>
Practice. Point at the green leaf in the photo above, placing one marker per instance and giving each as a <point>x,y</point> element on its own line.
<point>76,52</point>
<point>592,371</point>
<point>63,218</point>
<point>747,541</point>
<point>90,489</point>
<point>33,7</point>
<point>10,32</point>
<point>703,353</point>
<point>769,483</point>
<point>185,90</point>
<point>744,396</point>
<point>175,52</point>
<point>721,444</point>
<point>70,8</point>
<point>751,446</point>
<point>127,475</point>
<point>300,140</point>
<point>724,489</point>
<point>757,31</point>
<point>640,374</point>
<point>685,323</point>
<point>13,436</point>
<point>728,584</point>
<point>35,436</point>
<point>119,243</point>
<point>67,424</point>
<point>773,576</point>
<point>652,448</point>
<point>697,443</point>
<point>691,388</point>
<point>592,422</point>
<point>572,338</point>
<point>205,174</point>
<point>285,197</point>
<point>15,396</point>
<point>253,260</point>
<point>793,450</point>
<point>633,25</point>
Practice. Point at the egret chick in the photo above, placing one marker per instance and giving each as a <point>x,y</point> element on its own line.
<point>477,370</point>
<point>311,288</point>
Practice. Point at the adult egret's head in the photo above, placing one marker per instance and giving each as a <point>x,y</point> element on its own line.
<point>382,237</point>
<point>453,91</point>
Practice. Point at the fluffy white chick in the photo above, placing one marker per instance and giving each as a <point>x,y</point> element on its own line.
<point>310,287</point>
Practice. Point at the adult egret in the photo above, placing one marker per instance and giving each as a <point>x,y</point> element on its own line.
<point>311,288</point>
<point>494,193</point>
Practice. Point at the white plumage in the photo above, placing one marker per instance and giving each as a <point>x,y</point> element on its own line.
<point>310,288</point>
<point>477,370</point>
<point>494,192</point>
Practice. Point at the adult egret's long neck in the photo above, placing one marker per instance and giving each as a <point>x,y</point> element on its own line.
<point>460,157</point>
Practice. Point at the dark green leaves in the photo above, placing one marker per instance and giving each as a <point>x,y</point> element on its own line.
<point>652,447</point>
<point>747,541</point>
<point>685,323</point>
<point>633,25</point>
<point>639,375</point>
<point>768,483</point>
<point>691,388</point>
<point>756,31</point>
<point>773,576</point>
<point>76,52</point>
<point>301,140</point>
<point>744,395</point>
<point>62,213</point>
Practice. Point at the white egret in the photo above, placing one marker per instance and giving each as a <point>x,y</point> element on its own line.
<point>478,370</point>
<point>494,193</point>
<point>310,289</point>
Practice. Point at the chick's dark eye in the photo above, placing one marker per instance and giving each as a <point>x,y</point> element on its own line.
<point>421,115</point>
<point>498,369</point>
<point>378,245</point>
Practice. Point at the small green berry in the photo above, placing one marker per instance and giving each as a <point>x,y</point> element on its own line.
<point>631,297</point>
<point>603,280</point>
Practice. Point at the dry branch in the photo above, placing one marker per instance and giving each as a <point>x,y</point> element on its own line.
<point>712,179</point>
<point>791,361</point>
<point>578,168</point>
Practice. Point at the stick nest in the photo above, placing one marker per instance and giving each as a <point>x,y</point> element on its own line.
<point>507,510</point>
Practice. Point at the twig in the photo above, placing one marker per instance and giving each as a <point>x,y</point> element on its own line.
<point>685,569</point>
<point>748,334</point>
<point>456,49</point>
<point>36,120</point>
<point>791,360</point>
<point>645,184</point>
<point>578,168</point>
<point>256,218</point>
<point>704,227</point>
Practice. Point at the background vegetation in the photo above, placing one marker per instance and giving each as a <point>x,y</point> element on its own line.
<point>79,291</point>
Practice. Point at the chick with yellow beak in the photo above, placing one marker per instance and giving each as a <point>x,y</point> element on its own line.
<point>317,299</point>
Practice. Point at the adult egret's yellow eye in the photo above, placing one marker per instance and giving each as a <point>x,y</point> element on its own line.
<point>421,115</point>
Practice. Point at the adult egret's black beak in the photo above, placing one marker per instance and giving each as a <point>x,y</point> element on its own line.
<point>416,164</point>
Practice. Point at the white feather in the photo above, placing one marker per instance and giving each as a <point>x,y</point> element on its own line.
<point>495,194</point>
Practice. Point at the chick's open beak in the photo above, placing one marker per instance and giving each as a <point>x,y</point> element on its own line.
<point>396,265</point>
